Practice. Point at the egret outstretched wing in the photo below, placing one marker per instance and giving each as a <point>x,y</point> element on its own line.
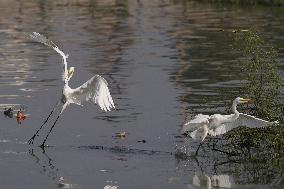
<point>243,120</point>
<point>96,90</point>
<point>42,39</point>
<point>195,123</point>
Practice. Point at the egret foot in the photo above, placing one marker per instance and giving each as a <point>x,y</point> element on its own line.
<point>31,141</point>
<point>42,145</point>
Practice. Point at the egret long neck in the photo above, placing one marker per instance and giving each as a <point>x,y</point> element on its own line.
<point>64,59</point>
<point>65,71</point>
<point>235,111</point>
<point>234,108</point>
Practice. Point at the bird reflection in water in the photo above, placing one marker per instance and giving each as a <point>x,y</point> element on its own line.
<point>216,181</point>
<point>219,171</point>
<point>48,168</point>
<point>201,179</point>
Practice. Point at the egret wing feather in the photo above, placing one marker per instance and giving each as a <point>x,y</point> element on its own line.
<point>200,133</point>
<point>95,90</point>
<point>253,122</point>
<point>222,129</point>
<point>195,123</point>
<point>243,120</point>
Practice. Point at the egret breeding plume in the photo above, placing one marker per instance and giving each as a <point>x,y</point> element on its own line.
<point>217,124</point>
<point>95,89</point>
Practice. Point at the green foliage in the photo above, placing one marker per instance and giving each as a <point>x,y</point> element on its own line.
<point>261,81</point>
<point>119,9</point>
<point>257,142</point>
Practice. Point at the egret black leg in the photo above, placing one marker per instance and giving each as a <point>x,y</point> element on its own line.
<point>31,141</point>
<point>43,144</point>
<point>196,153</point>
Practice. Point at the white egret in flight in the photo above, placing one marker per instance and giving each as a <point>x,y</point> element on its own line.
<point>95,89</point>
<point>217,124</point>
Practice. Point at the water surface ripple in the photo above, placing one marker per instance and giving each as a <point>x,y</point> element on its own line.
<point>161,59</point>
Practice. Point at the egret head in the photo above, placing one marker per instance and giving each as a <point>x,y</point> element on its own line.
<point>240,100</point>
<point>70,73</point>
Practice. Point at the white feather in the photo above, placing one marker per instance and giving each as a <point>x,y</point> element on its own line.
<point>194,123</point>
<point>95,90</point>
<point>243,120</point>
<point>200,133</point>
<point>217,124</point>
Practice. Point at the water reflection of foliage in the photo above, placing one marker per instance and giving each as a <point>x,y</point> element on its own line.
<point>244,171</point>
<point>248,2</point>
<point>257,153</point>
<point>258,142</point>
<point>260,171</point>
<point>256,171</point>
<point>100,8</point>
<point>204,72</point>
<point>208,64</point>
<point>118,8</point>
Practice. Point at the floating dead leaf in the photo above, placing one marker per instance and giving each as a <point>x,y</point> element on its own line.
<point>21,117</point>
<point>120,135</point>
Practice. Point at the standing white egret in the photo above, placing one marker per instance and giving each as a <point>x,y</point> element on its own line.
<point>217,124</point>
<point>95,89</point>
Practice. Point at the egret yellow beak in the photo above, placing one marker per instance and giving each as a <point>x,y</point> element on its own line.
<point>70,72</point>
<point>245,100</point>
